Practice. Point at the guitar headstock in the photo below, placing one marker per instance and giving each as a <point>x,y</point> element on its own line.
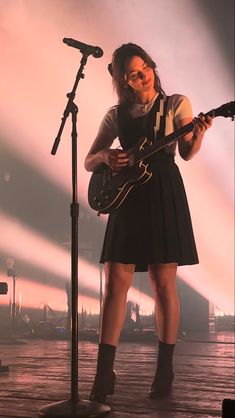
<point>227,110</point>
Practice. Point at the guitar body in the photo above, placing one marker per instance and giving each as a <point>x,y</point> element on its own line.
<point>107,191</point>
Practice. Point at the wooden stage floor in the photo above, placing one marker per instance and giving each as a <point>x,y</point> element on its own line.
<point>39,373</point>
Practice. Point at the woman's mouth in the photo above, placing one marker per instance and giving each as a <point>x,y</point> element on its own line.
<point>146,82</point>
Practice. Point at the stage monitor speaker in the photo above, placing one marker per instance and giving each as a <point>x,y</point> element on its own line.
<point>228,408</point>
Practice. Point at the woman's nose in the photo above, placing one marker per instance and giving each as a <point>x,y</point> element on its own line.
<point>141,75</point>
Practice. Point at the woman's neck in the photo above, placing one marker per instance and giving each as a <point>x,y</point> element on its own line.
<point>145,98</point>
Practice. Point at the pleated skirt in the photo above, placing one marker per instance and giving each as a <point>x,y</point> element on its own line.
<point>153,224</point>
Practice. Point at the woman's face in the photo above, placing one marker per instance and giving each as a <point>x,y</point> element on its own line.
<point>139,75</point>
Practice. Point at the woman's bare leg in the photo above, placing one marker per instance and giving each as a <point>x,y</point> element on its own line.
<point>118,281</point>
<point>163,278</point>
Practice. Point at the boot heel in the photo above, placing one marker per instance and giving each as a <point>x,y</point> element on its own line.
<point>161,388</point>
<point>103,386</point>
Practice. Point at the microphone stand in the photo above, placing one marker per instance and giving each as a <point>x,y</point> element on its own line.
<point>74,407</point>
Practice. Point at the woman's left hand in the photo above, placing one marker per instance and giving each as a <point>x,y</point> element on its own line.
<point>201,124</point>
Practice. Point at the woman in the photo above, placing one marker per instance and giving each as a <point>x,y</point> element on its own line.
<point>151,231</point>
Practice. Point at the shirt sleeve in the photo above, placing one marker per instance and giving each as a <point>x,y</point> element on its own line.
<point>108,126</point>
<point>182,107</point>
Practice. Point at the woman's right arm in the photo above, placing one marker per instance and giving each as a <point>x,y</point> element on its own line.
<point>100,152</point>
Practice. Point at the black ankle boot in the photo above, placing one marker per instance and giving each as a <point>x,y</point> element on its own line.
<point>161,387</point>
<point>162,383</point>
<point>105,376</point>
<point>103,385</point>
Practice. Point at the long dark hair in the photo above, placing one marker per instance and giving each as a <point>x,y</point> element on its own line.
<point>118,71</point>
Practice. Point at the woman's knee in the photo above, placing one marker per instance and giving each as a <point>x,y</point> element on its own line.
<point>166,291</point>
<point>118,278</point>
<point>163,279</point>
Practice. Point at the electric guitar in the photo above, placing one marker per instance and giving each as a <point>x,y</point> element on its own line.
<point>107,190</point>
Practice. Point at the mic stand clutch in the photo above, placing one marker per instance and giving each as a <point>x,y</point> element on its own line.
<point>74,407</point>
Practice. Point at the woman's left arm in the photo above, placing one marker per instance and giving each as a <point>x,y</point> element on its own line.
<point>190,144</point>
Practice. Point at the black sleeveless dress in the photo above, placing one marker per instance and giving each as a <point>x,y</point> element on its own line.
<point>153,224</point>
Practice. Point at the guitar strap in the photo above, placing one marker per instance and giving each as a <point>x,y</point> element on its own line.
<point>160,125</point>
<point>152,125</point>
<point>160,119</point>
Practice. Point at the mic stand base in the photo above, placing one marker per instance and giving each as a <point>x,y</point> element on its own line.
<point>71,409</point>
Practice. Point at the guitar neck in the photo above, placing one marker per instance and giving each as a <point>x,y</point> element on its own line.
<point>161,143</point>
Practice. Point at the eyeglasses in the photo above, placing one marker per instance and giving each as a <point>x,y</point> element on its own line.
<point>133,76</point>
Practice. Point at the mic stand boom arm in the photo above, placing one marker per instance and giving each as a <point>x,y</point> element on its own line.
<point>70,104</point>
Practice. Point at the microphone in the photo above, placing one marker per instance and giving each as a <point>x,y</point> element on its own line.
<point>95,51</point>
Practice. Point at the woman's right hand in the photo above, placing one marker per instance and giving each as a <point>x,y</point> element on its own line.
<point>115,159</point>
